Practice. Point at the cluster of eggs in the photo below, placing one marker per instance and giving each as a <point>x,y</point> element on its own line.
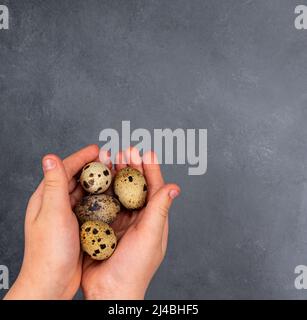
<point>98,210</point>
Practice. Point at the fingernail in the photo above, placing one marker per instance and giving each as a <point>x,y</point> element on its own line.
<point>49,164</point>
<point>173,194</point>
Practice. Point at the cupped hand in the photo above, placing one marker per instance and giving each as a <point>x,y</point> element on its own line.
<point>142,237</point>
<point>52,263</point>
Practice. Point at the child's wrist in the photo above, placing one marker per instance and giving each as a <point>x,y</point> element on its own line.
<point>25,289</point>
<point>113,294</point>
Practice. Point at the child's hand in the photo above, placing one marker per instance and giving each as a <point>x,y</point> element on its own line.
<point>142,239</point>
<point>51,267</point>
<point>52,264</point>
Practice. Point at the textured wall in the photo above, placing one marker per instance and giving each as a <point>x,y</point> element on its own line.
<point>70,68</point>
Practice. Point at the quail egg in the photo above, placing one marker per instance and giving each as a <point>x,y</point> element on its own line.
<point>100,207</point>
<point>98,239</point>
<point>95,178</point>
<point>131,188</point>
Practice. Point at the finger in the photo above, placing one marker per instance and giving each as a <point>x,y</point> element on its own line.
<point>35,200</point>
<point>133,158</point>
<point>104,157</point>
<point>75,162</point>
<point>72,185</point>
<point>55,195</point>
<point>120,161</point>
<point>156,211</point>
<point>165,236</point>
<point>152,173</point>
<point>38,193</point>
<point>34,205</point>
<point>76,196</point>
<point>71,165</point>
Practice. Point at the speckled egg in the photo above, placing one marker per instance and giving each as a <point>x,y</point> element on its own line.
<point>98,239</point>
<point>131,188</point>
<point>100,207</point>
<point>95,178</point>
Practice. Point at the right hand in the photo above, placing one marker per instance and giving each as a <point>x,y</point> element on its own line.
<point>142,238</point>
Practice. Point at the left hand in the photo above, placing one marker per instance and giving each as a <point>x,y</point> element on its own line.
<point>52,267</point>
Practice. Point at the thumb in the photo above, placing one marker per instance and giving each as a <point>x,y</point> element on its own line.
<point>55,194</point>
<point>157,208</point>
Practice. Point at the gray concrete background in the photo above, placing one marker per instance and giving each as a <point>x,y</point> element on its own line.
<point>70,68</point>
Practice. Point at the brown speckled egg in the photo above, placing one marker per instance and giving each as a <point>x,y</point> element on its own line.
<point>98,239</point>
<point>100,207</point>
<point>95,178</point>
<point>131,188</point>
